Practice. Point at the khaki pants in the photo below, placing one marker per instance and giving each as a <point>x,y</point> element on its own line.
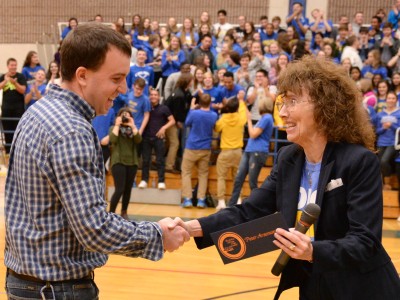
<point>228,159</point>
<point>191,158</point>
<point>173,141</point>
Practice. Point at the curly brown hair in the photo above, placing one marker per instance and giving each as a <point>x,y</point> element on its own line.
<point>338,109</point>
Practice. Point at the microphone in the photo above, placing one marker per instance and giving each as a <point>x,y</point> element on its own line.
<point>307,218</point>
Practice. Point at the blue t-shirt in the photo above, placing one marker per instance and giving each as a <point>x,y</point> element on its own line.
<point>308,190</point>
<point>173,66</point>
<point>30,73</point>
<point>369,69</point>
<point>216,96</point>
<point>261,143</point>
<point>42,91</point>
<point>201,123</point>
<point>231,93</point>
<point>102,124</point>
<point>304,21</point>
<point>138,106</point>
<point>385,137</point>
<point>145,72</point>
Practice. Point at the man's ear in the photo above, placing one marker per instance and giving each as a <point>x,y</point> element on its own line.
<point>81,76</point>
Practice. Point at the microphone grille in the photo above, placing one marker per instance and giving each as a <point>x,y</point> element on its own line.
<point>310,213</point>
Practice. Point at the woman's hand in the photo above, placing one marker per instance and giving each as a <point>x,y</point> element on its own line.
<point>296,244</point>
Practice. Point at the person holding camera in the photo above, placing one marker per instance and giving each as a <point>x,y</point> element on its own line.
<point>124,140</point>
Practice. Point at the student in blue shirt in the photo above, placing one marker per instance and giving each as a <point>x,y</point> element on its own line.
<point>139,104</point>
<point>37,89</point>
<point>31,65</point>
<point>140,70</point>
<point>72,23</point>
<point>230,89</point>
<point>297,20</point>
<point>257,148</point>
<point>172,58</point>
<point>101,125</point>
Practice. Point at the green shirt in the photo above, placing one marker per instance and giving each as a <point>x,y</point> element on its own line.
<point>124,149</point>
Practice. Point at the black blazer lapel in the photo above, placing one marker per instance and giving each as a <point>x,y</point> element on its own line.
<point>324,176</point>
<point>291,177</point>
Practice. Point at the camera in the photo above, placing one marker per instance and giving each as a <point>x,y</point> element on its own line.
<point>124,119</point>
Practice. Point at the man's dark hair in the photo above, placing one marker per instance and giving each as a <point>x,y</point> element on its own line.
<point>10,60</point>
<point>364,29</point>
<point>232,105</point>
<point>264,72</point>
<point>228,74</point>
<point>183,64</point>
<point>378,18</point>
<point>222,11</point>
<point>264,17</point>
<point>87,46</point>
<point>206,35</point>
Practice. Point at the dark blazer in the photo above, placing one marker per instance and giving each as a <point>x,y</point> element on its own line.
<point>349,261</point>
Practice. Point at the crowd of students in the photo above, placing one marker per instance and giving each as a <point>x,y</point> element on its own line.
<point>190,84</point>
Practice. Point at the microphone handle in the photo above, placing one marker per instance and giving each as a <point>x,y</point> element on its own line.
<point>283,258</point>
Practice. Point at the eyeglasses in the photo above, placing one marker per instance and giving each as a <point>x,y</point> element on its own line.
<point>289,103</point>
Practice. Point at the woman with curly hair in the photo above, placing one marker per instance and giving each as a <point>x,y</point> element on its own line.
<point>331,163</point>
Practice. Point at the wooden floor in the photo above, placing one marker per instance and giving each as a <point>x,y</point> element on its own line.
<point>189,273</point>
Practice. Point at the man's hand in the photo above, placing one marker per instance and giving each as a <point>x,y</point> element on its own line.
<point>161,133</point>
<point>173,236</point>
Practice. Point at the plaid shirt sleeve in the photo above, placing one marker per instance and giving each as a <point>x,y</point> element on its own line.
<point>80,187</point>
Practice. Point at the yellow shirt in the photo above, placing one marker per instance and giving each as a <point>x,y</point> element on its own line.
<point>231,126</point>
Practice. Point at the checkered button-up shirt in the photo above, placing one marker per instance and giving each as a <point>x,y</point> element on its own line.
<point>57,227</point>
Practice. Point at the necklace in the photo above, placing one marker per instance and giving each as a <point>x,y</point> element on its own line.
<point>310,169</point>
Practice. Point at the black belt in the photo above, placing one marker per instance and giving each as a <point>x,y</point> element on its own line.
<point>34,279</point>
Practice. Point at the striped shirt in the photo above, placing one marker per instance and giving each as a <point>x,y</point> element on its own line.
<point>57,227</point>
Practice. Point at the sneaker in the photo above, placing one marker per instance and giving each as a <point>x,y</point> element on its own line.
<point>161,186</point>
<point>201,203</point>
<point>239,201</point>
<point>142,185</point>
<point>221,205</point>
<point>187,203</point>
<point>398,219</point>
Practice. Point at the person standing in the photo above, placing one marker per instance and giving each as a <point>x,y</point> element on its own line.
<point>198,150</point>
<point>13,85</point>
<point>154,138</point>
<point>332,163</point>
<point>57,227</point>
<point>124,140</point>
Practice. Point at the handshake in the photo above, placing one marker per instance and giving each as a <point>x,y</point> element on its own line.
<point>175,232</point>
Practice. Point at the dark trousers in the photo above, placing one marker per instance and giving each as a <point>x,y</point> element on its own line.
<point>123,180</point>
<point>150,143</point>
<point>386,156</point>
<point>9,125</point>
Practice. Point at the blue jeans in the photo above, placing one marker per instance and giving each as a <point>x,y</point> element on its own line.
<point>250,163</point>
<point>19,289</point>
<point>159,148</point>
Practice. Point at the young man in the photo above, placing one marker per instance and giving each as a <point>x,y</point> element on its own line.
<point>298,20</point>
<point>230,89</point>
<point>221,27</point>
<point>231,126</point>
<point>140,70</point>
<point>198,150</point>
<point>154,138</point>
<point>139,105</point>
<point>13,85</point>
<point>57,227</point>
